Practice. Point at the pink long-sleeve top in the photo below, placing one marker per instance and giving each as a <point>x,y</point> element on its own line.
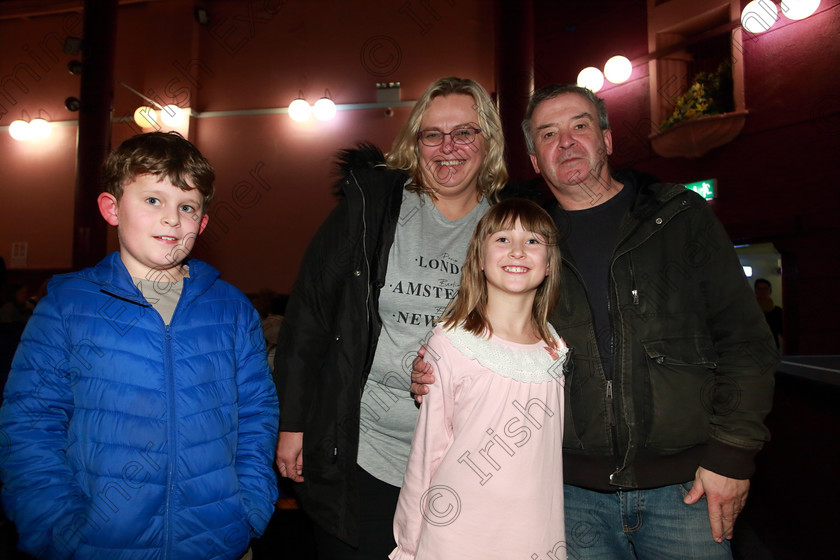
<point>485,472</point>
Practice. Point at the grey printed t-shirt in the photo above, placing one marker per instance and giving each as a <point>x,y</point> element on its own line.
<point>424,270</point>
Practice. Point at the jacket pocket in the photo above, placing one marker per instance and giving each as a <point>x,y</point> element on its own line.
<point>321,454</point>
<point>680,376</point>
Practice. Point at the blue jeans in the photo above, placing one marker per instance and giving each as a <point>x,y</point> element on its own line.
<point>643,524</point>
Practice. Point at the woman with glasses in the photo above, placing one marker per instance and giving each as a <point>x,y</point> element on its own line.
<point>380,270</point>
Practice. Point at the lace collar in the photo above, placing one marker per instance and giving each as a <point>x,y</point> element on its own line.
<point>530,363</point>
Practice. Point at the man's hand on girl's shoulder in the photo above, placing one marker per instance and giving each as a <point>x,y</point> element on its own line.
<point>422,374</point>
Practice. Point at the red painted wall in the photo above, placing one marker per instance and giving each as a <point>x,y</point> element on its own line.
<point>273,174</point>
<point>37,178</point>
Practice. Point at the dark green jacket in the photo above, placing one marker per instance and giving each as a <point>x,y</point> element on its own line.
<point>694,359</point>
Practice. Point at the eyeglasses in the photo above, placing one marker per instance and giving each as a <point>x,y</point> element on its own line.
<point>462,135</point>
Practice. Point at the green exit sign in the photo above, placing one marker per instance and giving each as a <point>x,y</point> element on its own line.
<point>706,188</point>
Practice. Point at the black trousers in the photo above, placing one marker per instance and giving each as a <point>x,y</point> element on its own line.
<point>378,502</point>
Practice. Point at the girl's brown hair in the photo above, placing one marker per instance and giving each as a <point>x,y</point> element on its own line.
<point>469,308</point>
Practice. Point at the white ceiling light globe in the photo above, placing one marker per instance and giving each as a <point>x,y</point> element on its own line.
<point>759,16</point>
<point>172,115</point>
<point>324,109</point>
<point>618,69</point>
<point>591,78</point>
<point>799,9</point>
<point>40,128</point>
<point>145,117</point>
<point>20,131</point>
<point>299,110</point>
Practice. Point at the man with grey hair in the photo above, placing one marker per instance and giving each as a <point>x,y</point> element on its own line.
<point>673,361</point>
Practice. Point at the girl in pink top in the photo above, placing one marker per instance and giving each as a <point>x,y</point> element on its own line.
<point>485,473</point>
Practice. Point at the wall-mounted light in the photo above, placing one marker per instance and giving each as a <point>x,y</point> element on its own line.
<point>591,78</point>
<point>40,128</point>
<point>799,9</point>
<point>145,117</point>
<point>618,69</point>
<point>20,131</point>
<point>324,108</point>
<point>759,16</point>
<point>172,115</point>
<point>299,109</point>
<point>35,129</point>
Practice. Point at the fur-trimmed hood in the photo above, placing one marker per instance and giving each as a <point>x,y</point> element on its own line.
<point>365,155</point>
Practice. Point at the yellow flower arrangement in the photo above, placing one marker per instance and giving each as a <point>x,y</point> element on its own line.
<point>710,93</point>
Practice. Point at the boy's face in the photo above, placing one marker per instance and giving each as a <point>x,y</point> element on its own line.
<point>157,225</point>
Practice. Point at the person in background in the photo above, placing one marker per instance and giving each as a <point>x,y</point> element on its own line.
<point>772,312</point>
<point>271,326</point>
<point>140,418</point>
<point>379,271</point>
<point>16,308</point>
<point>271,306</point>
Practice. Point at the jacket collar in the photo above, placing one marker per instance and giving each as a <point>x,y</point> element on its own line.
<point>112,277</point>
<point>650,193</point>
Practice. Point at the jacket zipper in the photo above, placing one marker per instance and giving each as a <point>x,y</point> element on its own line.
<point>173,451</point>
<point>615,359</point>
<point>364,249</point>
<point>634,292</point>
<point>608,401</point>
<point>366,272</point>
<point>173,419</point>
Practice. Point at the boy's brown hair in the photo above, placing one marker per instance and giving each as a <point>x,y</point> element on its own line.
<point>167,155</point>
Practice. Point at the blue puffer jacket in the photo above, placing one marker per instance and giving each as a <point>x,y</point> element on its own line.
<point>126,438</point>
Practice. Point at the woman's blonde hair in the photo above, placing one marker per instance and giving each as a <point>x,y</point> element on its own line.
<point>469,308</point>
<point>405,153</point>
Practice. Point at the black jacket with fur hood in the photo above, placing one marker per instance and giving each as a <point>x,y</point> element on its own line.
<point>329,335</point>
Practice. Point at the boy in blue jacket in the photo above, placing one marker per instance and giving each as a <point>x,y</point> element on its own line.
<point>140,418</point>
